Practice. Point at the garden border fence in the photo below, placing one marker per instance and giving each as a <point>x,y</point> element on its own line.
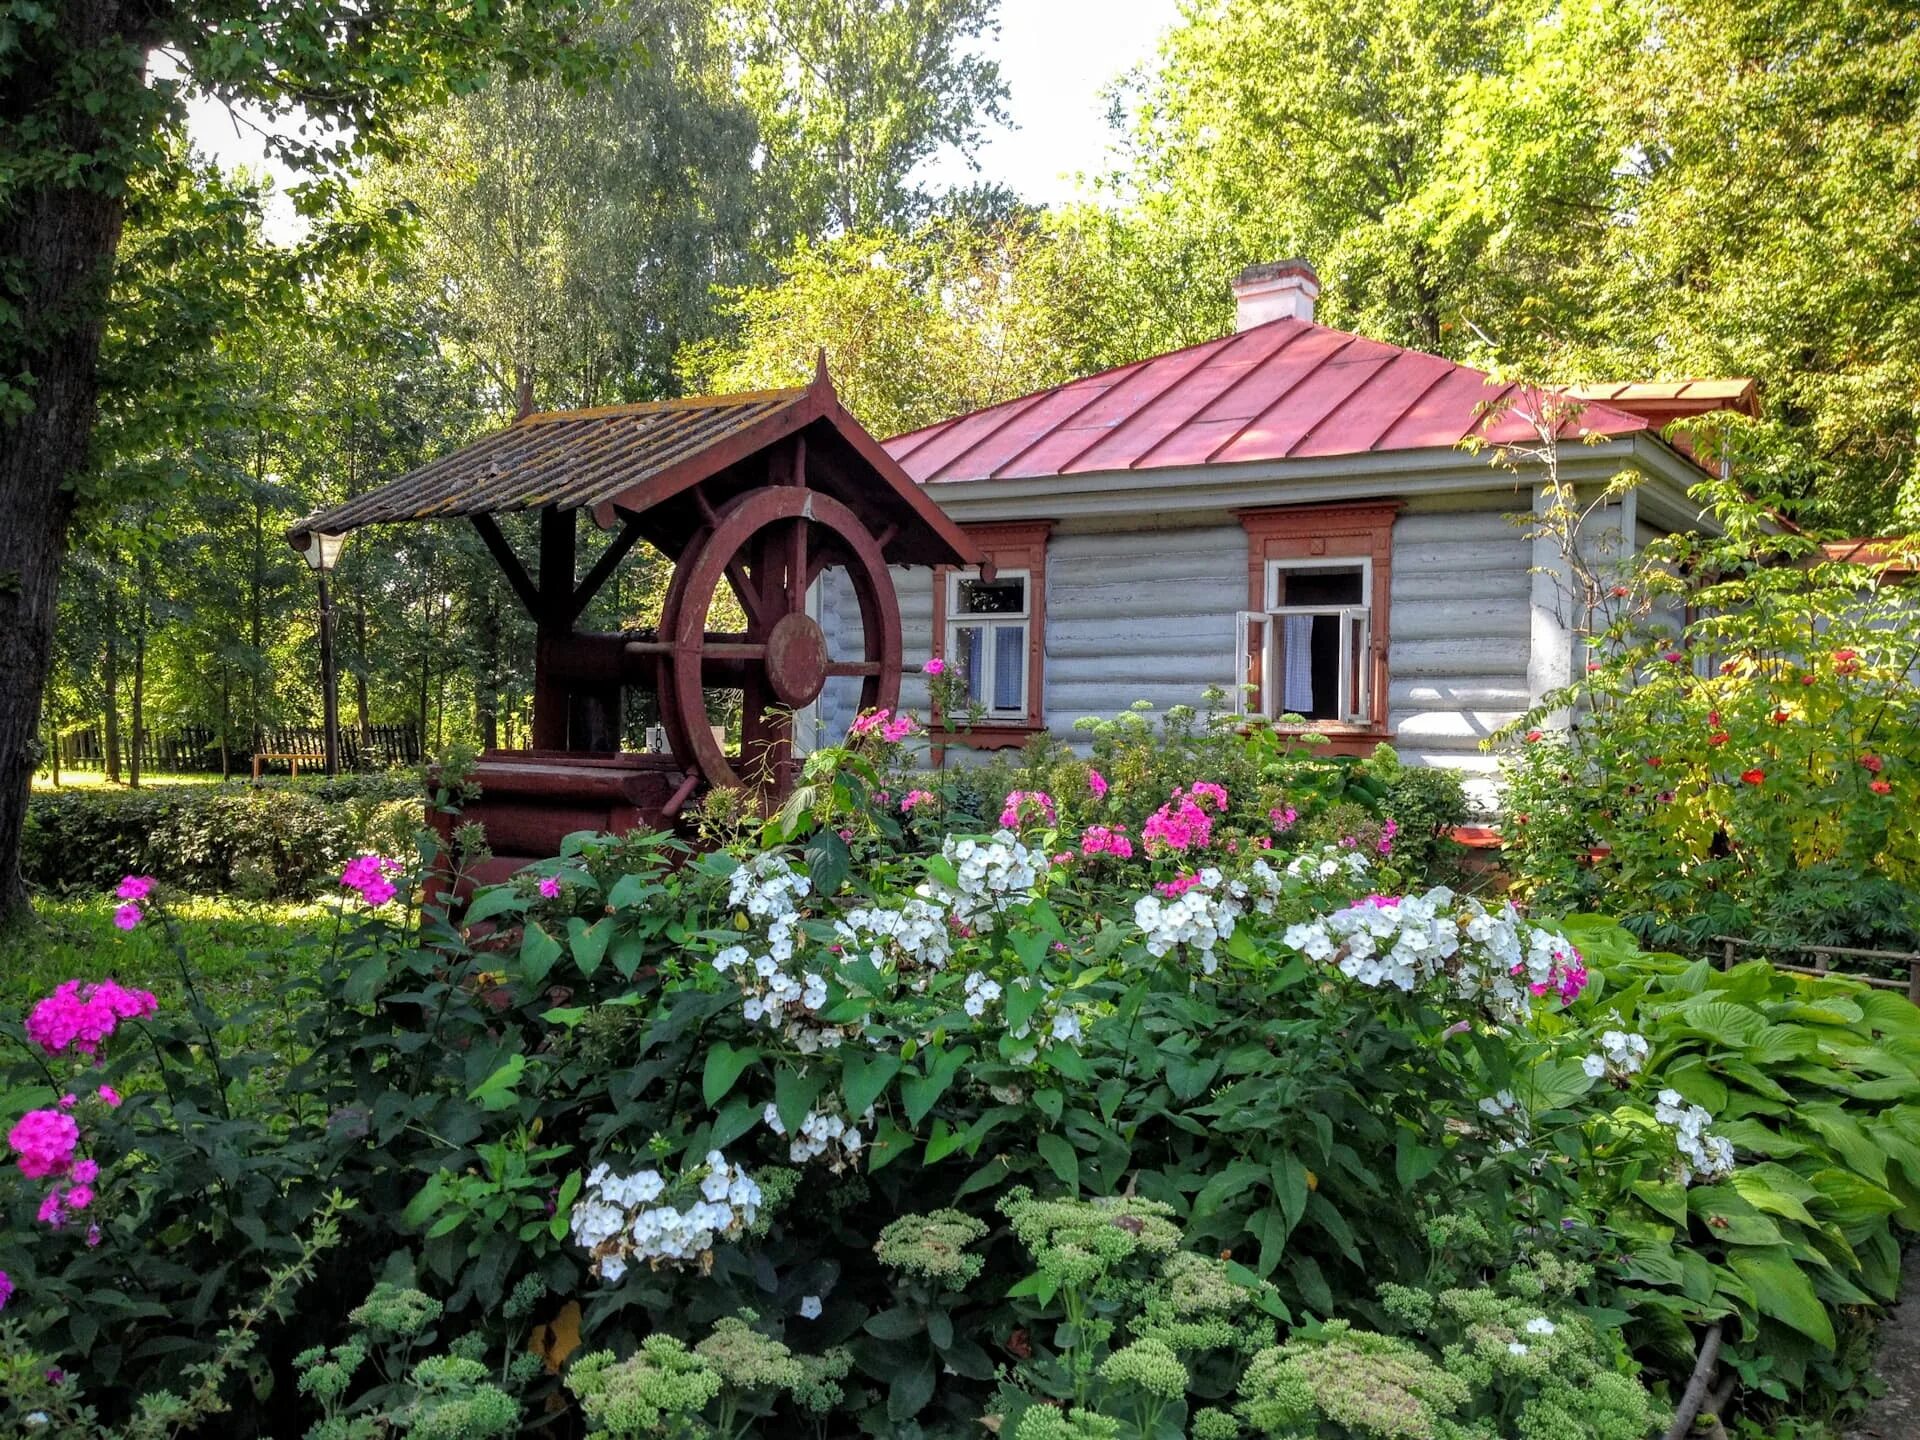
<point>1731,944</point>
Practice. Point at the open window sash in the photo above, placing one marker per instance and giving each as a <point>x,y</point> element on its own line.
<point>1253,657</point>
<point>1353,701</point>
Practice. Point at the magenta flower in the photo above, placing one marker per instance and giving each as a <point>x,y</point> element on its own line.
<point>135,887</point>
<point>69,1100</point>
<point>1207,790</point>
<point>1102,840</point>
<point>916,798</point>
<point>6,1289</point>
<point>79,1197</point>
<point>935,666</point>
<point>111,1096</point>
<point>50,1211</point>
<point>45,1141</point>
<point>1282,817</point>
<point>1178,826</point>
<point>550,886</point>
<point>1027,807</point>
<point>1097,783</point>
<point>898,728</point>
<point>93,1237</point>
<point>126,916</point>
<point>85,1172</point>
<point>83,1016</point>
<point>368,875</point>
<point>1174,889</point>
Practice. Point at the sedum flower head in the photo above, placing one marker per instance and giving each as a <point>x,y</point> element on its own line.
<point>1043,1422</point>
<point>1077,1241</point>
<point>393,1312</point>
<point>1371,1384</point>
<point>633,1397</point>
<point>1147,1365</point>
<point>456,1403</point>
<point>819,1390</point>
<point>745,1359</point>
<point>933,1246</point>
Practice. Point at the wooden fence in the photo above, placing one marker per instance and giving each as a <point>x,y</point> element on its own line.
<point>1824,955</point>
<point>195,749</point>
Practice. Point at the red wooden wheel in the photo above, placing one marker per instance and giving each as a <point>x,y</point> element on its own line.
<point>770,545</point>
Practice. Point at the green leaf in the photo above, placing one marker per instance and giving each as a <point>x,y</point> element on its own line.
<point>725,1065</point>
<point>1734,1026</point>
<point>919,1092</point>
<point>912,1388</point>
<point>895,1324</point>
<point>1289,1177</point>
<point>538,952</point>
<point>828,862</point>
<point>589,942</point>
<point>889,1145</point>
<point>1782,1290</point>
<point>943,1142</point>
<point>1188,1076</point>
<point>496,900</point>
<point>1664,1197</point>
<point>1061,1158</point>
<point>496,1092</point>
<point>794,1092</point>
<point>864,1077</point>
<point>630,891</point>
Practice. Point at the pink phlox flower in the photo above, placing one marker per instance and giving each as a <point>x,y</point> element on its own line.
<point>1097,783</point>
<point>1387,832</point>
<point>1348,842</point>
<point>1106,840</point>
<point>82,1016</point>
<point>1377,902</point>
<point>898,728</point>
<point>93,1237</point>
<point>1283,817</point>
<point>916,798</point>
<point>45,1141</point>
<point>85,1172</point>
<point>1028,807</point>
<point>50,1211</point>
<point>1177,826</point>
<point>868,721</point>
<point>368,875</point>
<point>935,666</point>
<point>550,886</point>
<point>1063,858</point>
<point>6,1289</point>
<point>1175,888</point>
<point>135,887</point>
<point>1207,790</point>
<point>111,1096</point>
<point>78,1197</point>
<point>69,1100</point>
<point>126,916</point>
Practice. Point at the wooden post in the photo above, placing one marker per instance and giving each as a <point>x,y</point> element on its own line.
<point>551,621</point>
<point>1726,957</point>
<point>1913,981</point>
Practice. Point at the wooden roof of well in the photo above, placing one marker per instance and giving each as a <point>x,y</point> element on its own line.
<point>642,460</point>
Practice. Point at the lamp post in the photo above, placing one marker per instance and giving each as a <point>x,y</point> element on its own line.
<point>322,552</point>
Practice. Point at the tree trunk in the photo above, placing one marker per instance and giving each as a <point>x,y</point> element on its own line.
<point>226,719</point>
<point>59,231</point>
<point>139,700</point>
<point>110,681</point>
<point>361,707</point>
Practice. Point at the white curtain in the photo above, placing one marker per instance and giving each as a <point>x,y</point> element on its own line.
<point>1296,689</point>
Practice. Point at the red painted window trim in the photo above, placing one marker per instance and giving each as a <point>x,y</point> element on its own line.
<point>1347,530</point>
<point>1008,545</point>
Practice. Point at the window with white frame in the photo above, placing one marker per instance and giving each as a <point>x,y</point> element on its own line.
<point>1310,652</point>
<point>988,624</point>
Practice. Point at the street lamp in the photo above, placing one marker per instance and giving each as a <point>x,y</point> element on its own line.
<point>322,552</point>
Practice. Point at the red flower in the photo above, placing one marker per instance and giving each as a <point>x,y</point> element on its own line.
<point>1872,762</point>
<point>1881,787</point>
<point>1713,717</point>
<point>1780,717</point>
<point>1620,592</point>
<point>1536,735</point>
<point>1753,777</point>
<point>1673,657</point>
<point>1807,679</point>
<point>1592,665</point>
<point>1719,737</point>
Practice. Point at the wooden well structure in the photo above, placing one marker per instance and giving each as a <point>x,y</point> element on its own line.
<point>763,493</point>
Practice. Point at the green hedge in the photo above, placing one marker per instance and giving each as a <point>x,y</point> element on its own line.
<point>279,838</point>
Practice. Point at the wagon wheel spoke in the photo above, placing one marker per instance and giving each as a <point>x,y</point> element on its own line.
<point>749,594</point>
<point>797,566</point>
<point>853,667</point>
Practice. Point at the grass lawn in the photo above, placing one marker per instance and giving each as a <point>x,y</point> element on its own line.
<point>97,780</point>
<point>238,948</point>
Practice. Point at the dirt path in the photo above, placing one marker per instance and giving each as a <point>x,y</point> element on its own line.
<point>1896,1414</point>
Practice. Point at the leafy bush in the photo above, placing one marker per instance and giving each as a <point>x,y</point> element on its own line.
<point>841,1133</point>
<point>279,838</point>
<point>1755,771</point>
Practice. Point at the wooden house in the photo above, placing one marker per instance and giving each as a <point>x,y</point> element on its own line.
<point>1289,507</point>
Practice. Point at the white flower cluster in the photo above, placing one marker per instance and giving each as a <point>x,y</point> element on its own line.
<point>1332,862</point>
<point>1504,1107</point>
<point>981,992</point>
<point>1200,916</point>
<point>1620,1054</point>
<point>991,876</point>
<point>821,1133</point>
<point>1702,1156</point>
<point>1491,956</point>
<point>770,890</point>
<point>914,937</point>
<point>617,1219</point>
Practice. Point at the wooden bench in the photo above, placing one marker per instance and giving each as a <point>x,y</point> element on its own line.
<point>293,759</point>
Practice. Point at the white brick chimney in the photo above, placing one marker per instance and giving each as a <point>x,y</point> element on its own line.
<point>1278,290</point>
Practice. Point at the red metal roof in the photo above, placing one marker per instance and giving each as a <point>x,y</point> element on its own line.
<point>1284,390</point>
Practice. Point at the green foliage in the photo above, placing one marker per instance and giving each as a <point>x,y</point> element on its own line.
<point>272,840</point>
<point>1732,776</point>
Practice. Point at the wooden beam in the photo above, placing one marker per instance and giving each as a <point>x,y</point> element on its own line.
<point>602,570</point>
<point>508,562</point>
<point>556,566</point>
